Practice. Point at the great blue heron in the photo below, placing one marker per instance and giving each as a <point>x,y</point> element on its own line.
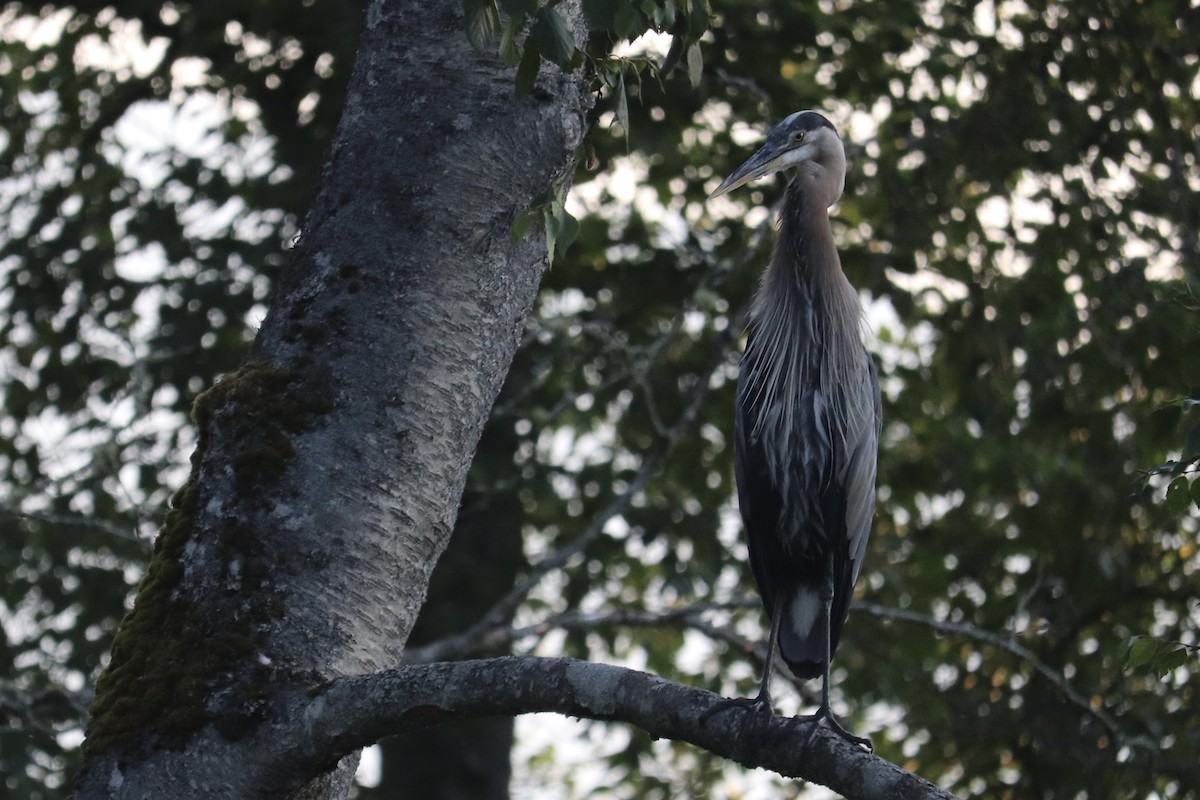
<point>808,414</point>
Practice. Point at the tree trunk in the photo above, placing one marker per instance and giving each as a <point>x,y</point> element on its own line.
<point>330,465</point>
<point>466,760</point>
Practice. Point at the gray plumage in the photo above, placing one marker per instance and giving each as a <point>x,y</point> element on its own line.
<point>808,411</point>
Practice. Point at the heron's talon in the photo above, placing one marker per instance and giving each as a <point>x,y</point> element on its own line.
<point>825,717</point>
<point>759,705</point>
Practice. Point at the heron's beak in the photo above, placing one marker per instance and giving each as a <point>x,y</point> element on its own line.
<point>767,160</point>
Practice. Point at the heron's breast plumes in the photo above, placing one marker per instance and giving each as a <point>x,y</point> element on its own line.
<point>806,381</point>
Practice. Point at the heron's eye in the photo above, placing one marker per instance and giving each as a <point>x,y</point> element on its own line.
<point>797,137</point>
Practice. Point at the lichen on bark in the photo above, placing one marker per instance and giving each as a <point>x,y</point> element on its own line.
<point>171,652</point>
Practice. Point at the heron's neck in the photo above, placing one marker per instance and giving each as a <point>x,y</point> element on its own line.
<point>805,264</point>
<point>811,311</point>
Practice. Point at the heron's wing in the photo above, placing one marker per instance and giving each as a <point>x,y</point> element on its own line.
<point>758,499</point>
<point>857,473</point>
<point>850,502</point>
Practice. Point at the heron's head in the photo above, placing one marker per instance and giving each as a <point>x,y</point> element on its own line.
<point>805,141</point>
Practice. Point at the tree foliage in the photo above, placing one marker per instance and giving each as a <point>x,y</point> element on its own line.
<point>1020,211</point>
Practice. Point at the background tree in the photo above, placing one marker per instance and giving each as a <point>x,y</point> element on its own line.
<point>1020,210</point>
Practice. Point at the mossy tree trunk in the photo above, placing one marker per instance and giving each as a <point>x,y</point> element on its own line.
<point>331,464</point>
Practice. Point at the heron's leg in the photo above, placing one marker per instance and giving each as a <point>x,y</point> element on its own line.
<point>824,714</point>
<point>827,617</point>
<point>764,694</point>
<point>761,703</point>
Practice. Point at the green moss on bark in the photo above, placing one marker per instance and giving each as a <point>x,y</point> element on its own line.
<point>169,655</point>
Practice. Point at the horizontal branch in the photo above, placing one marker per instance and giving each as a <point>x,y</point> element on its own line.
<point>353,712</point>
<point>1008,645</point>
<point>72,521</point>
<point>692,617</point>
<point>44,711</point>
<point>480,642</point>
<point>651,465</point>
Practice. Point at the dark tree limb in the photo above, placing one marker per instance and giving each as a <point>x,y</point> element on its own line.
<point>692,617</point>
<point>348,713</point>
<point>71,521</point>
<point>1009,645</point>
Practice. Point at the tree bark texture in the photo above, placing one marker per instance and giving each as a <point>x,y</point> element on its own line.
<point>330,465</point>
<point>348,712</point>
<point>468,759</point>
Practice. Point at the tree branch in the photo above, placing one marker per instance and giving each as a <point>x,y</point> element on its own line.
<point>503,610</point>
<point>1008,645</point>
<point>73,521</point>
<point>348,713</point>
<point>689,617</point>
<point>692,617</point>
<point>45,711</point>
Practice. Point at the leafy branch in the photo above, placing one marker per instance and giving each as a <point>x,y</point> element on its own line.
<point>1162,656</point>
<point>527,32</point>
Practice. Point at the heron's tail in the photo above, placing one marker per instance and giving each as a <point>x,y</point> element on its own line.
<point>802,633</point>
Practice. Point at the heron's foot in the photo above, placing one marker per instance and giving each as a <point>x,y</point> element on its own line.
<point>760,706</point>
<point>825,717</point>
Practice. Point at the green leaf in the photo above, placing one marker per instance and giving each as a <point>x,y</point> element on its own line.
<point>695,65</point>
<point>1178,495</point>
<point>510,51</point>
<point>567,234</point>
<point>607,72</point>
<point>1142,650</point>
<point>576,60</point>
<point>662,13</point>
<point>483,21</point>
<point>1195,492</point>
<point>522,224</point>
<point>674,54</point>
<point>601,15</point>
<point>527,71</point>
<point>629,22</point>
<point>1169,661</point>
<point>1184,401</point>
<point>1191,445</point>
<point>697,20</point>
<point>519,9</point>
<point>553,37</point>
<point>1156,655</point>
<point>622,106</point>
<point>553,222</point>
